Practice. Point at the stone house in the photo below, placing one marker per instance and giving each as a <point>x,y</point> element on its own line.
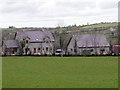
<point>36,42</point>
<point>88,44</point>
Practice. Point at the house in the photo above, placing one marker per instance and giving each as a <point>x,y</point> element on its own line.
<point>88,44</point>
<point>10,47</point>
<point>36,42</point>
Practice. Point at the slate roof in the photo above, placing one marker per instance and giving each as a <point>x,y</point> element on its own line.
<point>8,35</point>
<point>11,43</point>
<point>91,40</point>
<point>20,35</point>
<point>35,36</point>
<point>48,33</point>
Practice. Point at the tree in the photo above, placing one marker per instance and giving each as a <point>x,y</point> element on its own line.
<point>22,45</point>
<point>60,32</point>
<point>60,23</point>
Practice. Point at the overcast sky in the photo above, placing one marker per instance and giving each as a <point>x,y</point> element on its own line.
<point>47,13</point>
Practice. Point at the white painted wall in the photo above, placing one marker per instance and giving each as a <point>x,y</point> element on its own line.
<point>71,46</point>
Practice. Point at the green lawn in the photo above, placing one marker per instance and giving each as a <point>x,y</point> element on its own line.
<point>60,72</point>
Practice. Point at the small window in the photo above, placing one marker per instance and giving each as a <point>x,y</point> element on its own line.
<point>38,48</point>
<point>46,48</point>
<point>47,40</point>
<point>91,50</point>
<point>13,52</point>
<point>26,41</point>
<point>34,50</point>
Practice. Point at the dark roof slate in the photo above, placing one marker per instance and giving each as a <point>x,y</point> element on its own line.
<point>35,36</point>
<point>11,43</point>
<point>91,40</point>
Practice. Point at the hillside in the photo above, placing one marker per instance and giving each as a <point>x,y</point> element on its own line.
<point>108,29</point>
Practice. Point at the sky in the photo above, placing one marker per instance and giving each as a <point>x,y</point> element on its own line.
<point>51,13</point>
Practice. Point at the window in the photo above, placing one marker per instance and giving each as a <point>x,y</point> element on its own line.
<point>15,49</point>
<point>34,50</point>
<point>46,48</point>
<point>38,48</point>
<point>47,40</point>
<point>91,50</point>
<point>29,49</point>
<point>26,41</point>
<point>13,52</point>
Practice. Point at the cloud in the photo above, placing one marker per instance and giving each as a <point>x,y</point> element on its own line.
<point>20,7</point>
<point>108,5</point>
<point>79,5</point>
<point>49,11</point>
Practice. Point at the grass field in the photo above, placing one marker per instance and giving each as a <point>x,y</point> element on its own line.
<point>101,25</point>
<point>60,72</point>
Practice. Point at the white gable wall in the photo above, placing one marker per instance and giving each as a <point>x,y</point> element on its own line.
<point>71,46</point>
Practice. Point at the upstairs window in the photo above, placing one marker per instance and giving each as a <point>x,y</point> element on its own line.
<point>47,40</point>
<point>26,41</point>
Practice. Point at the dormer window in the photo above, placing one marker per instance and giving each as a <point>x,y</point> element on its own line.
<point>26,41</point>
<point>47,39</point>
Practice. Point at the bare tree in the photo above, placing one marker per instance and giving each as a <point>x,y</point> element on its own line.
<point>60,32</point>
<point>60,23</point>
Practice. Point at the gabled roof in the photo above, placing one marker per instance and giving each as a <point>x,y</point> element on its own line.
<point>11,43</point>
<point>8,35</point>
<point>49,34</point>
<point>20,35</point>
<point>35,36</point>
<point>91,40</point>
